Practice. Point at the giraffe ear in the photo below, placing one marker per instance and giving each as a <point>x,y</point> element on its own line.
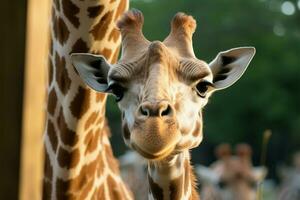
<point>230,65</point>
<point>92,69</point>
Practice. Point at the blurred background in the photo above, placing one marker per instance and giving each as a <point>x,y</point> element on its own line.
<point>266,97</point>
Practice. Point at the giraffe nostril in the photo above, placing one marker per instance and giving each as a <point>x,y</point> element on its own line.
<point>160,109</point>
<point>143,111</point>
<point>167,111</point>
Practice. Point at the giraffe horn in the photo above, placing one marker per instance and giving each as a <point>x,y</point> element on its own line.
<point>133,40</point>
<point>182,28</point>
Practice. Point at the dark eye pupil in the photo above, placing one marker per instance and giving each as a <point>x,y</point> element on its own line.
<point>202,88</point>
<point>118,91</point>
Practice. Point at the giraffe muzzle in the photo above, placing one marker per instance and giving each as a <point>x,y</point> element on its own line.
<point>155,137</point>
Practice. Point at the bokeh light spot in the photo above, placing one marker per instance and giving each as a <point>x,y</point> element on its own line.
<point>288,8</point>
<point>279,30</point>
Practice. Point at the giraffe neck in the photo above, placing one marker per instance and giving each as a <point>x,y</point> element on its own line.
<point>172,178</point>
<point>78,158</point>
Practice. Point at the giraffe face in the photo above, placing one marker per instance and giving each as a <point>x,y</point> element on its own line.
<point>161,87</point>
<point>161,100</point>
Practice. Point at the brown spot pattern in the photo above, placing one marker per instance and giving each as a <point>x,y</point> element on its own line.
<point>52,100</point>
<point>50,71</point>
<point>114,189</point>
<point>80,46</point>
<point>106,129</point>
<point>114,35</point>
<point>100,119</point>
<point>70,11</point>
<point>61,31</point>
<point>176,189</point>
<point>121,9</point>
<point>88,137</point>
<point>91,120</point>
<point>100,131</point>
<point>51,45</point>
<point>47,188</point>
<point>99,193</point>
<point>156,191</point>
<point>62,78</point>
<point>81,184</point>
<point>47,185</point>
<point>81,102</point>
<point>92,142</point>
<point>197,129</point>
<point>99,30</point>
<point>184,131</point>
<point>177,105</point>
<point>100,167</point>
<point>62,189</point>
<point>68,159</point>
<point>86,189</point>
<point>111,161</point>
<point>95,11</point>
<point>47,167</point>
<point>100,97</point>
<point>52,135</point>
<point>116,55</point>
<point>106,53</point>
<point>86,173</point>
<point>67,136</point>
<point>84,182</point>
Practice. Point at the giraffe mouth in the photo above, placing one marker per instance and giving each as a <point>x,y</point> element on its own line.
<point>157,156</point>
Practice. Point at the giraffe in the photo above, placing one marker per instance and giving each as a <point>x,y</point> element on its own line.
<point>231,177</point>
<point>290,179</point>
<point>161,88</point>
<point>79,163</point>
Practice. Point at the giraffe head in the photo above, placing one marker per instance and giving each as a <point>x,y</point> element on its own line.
<point>161,87</point>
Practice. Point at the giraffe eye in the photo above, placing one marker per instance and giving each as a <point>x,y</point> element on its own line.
<point>202,88</point>
<point>117,90</point>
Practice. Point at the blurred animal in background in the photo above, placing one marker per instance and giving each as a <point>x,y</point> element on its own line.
<point>231,177</point>
<point>134,173</point>
<point>290,176</point>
